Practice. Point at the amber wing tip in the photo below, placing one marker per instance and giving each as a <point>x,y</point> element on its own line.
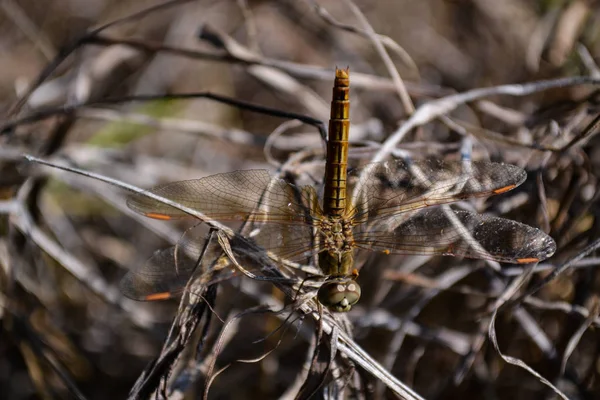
<point>342,73</point>
<point>158,296</point>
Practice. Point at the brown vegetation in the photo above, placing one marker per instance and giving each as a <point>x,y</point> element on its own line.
<point>148,92</point>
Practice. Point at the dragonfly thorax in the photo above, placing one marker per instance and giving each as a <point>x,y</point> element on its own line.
<point>340,292</point>
<point>336,233</point>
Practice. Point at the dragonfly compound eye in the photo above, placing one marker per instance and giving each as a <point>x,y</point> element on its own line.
<point>339,294</point>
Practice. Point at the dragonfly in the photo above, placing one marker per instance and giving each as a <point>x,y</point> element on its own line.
<point>390,207</point>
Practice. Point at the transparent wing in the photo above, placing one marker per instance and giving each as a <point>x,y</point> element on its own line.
<point>383,189</point>
<point>166,273</point>
<point>231,196</point>
<point>291,242</point>
<point>442,231</point>
<point>282,213</point>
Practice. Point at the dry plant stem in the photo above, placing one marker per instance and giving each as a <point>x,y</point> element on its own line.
<point>567,29</point>
<point>226,334</point>
<point>251,28</point>
<point>542,196</point>
<point>408,267</point>
<point>331,364</point>
<point>277,79</point>
<point>195,127</point>
<point>509,292</point>
<point>66,51</point>
<point>184,315</point>
<point>322,365</point>
<point>237,50</point>
<point>516,361</point>
<point>507,115</point>
<point>187,319</point>
<point>9,206</point>
<point>28,27</point>
<point>67,109</point>
<point>192,312</point>
<point>504,301</point>
<point>528,324</point>
<point>305,71</point>
<point>437,108</point>
<point>160,229</point>
<point>362,358</point>
<point>269,143</point>
<point>446,280</point>
<point>409,108</point>
<point>539,38</point>
<point>562,214</point>
<point>589,131</point>
<point>577,335</point>
<point>565,307</point>
<point>557,271</point>
<point>194,213</point>
<point>466,128</point>
<point>476,344</point>
<point>588,60</point>
<point>228,328</point>
<point>585,263</point>
<point>61,228</point>
<point>385,40</point>
<point>458,342</point>
<point>196,368</point>
<point>34,348</point>
<point>535,333</point>
<point>293,389</point>
<point>141,385</point>
<point>23,221</point>
<point>285,84</point>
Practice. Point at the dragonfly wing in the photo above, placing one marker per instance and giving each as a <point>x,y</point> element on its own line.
<point>226,197</point>
<point>391,187</point>
<point>158,278</point>
<point>166,273</point>
<point>291,242</point>
<point>281,213</point>
<point>442,231</point>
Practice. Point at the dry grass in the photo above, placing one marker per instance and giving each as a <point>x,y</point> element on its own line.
<point>136,90</point>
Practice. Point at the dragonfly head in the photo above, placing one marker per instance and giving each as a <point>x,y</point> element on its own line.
<point>339,294</point>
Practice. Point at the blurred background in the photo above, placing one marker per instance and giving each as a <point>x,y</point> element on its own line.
<point>66,240</point>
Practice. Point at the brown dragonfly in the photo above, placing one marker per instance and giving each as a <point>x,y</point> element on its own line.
<point>392,207</point>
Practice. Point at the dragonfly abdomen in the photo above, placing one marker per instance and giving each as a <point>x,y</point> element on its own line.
<point>334,199</point>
